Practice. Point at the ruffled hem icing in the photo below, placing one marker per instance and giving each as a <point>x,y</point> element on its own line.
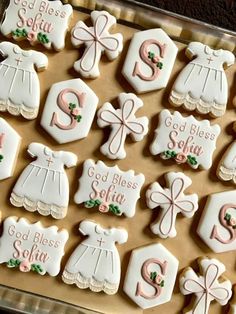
<point>17,110</point>
<point>227,174</point>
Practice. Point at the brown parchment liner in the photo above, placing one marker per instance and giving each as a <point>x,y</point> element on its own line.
<point>186,246</point>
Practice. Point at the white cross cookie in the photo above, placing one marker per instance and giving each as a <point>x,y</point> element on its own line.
<point>171,201</point>
<point>206,287</point>
<point>97,40</point>
<point>122,122</point>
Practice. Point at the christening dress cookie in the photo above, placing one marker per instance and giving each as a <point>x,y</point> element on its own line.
<point>43,185</point>
<point>149,60</point>
<point>109,189</point>
<point>171,201</point>
<point>20,89</point>
<point>151,275</point>
<point>95,263</point>
<point>10,142</point>
<point>206,287</point>
<point>69,111</point>
<point>217,226</point>
<point>97,40</point>
<point>185,139</point>
<point>32,247</point>
<point>38,21</point>
<point>122,122</point>
<point>202,85</point>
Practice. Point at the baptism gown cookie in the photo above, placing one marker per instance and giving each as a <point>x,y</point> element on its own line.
<point>43,185</point>
<point>122,122</point>
<point>19,83</point>
<point>95,263</point>
<point>45,22</point>
<point>32,247</point>
<point>97,40</point>
<point>202,85</point>
<point>206,286</point>
<point>171,201</point>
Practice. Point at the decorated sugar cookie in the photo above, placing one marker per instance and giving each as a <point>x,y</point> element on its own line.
<point>38,21</point>
<point>217,226</point>
<point>95,263</point>
<point>233,303</point>
<point>185,139</point>
<point>149,60</point>
<point>10,142</point>
<point>151,275</point>
<point>109,189</point>
<point>206,286</point>
<point>202,85</point>
<point>43,185</point>
<point>122,122</point>
<point>69,111</point>
<point>20,92</point>
<point>32,247</point>
<point>171,201</point>
<point>97,40</point>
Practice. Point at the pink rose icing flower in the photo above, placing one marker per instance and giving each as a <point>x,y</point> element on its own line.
<point>31,36</point>
<point>232,222</point>
<point>158,279</point>
<point>104,208</point>
<point>75,112</point>
<point>181,158</point>
<point>25,266</point>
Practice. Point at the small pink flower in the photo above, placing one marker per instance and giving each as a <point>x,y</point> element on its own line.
<point>25,266</point>
<point>31,36</point>
<point>104,208</point>
<point>155,59</point>
<point>75,111</point>
<point>232,222</point>
<point>158,279</point>
<point>181,158</point>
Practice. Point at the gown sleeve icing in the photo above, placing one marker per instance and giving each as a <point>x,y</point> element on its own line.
<point>6,48</point>
<point>193,49</point>
<point>228,58</point>
<point>86,227</point>
<point>69,159</point>
<point>40,60</point>
<point>34,149</point>
<point>120,236</point>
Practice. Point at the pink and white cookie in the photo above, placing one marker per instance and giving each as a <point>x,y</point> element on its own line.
<point>171,201</point>
<point>97,40</point>
<point>32,247</point>
<point>185,139</point>
<point>109,189</point>
<point>122,122</point>
<point>95,263</point>
<point>149,60</point>
<point>43,185</point>
<point>202,85</point>
<point>207,286</point>
<point>69,111</point>
<point>10,142</point>
<point>38,21</point>
<point>151,275</point>
<point>21,92</point>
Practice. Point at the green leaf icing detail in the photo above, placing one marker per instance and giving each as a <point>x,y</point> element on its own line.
<point>153,275</point>
<point>20,33</point>
<point>96,203</point>
<point>36,268</point>
<point>14,263</point>
<point>42,38</point>
<point>151,55</point>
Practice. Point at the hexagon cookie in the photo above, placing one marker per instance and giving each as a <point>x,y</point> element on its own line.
<point>151,275</point>
<point>69,111</point>
<point>149,60</point>
<point>217,226</point>
<point>9,147</point>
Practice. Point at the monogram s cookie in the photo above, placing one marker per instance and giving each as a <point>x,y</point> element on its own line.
<point>151,275</point>
<point>185,139</point>
<point>109,189</point>
<point>202,85</point>
<point>171,201</point>
<point>207,286</point>
<point>32,247</point>
<point>38,21</point>
<point>95,263</point>
<point>97,40</point>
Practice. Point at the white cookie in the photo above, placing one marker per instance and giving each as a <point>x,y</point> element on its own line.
<point>45,22</point>
<point>95,263</point>
<point>185,139</point>
<point>10,142</point>
<point>43,185</point>
<point>205,286</point>
<point>217,226</point>
<point>109,188</point>
<point>97,40</point>
<point>69,111</point>
<point>149,60</point>
<point>233,303</point>
<point>202,85</point>
<point>32,247</point>
<point>171,201</point>
<point>151,275</point>
<point>21,92</point>
<point>226,170</point>
<point>122,122</point>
